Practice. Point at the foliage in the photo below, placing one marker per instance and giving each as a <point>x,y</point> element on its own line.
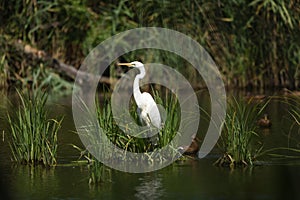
<point>292,100</point>
<point>135,144</point>
<point>239,131</point>
<point>172,121</point>
<point>29,72</point>
<point>295,110</point>
<point>33,134</point>
<point>100,173</point>
<point>254,42</point>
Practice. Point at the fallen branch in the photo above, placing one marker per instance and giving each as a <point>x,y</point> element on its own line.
<point>60,67</point>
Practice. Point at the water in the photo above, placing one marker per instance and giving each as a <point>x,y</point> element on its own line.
<point>191,179</point>
<point>195,180</point>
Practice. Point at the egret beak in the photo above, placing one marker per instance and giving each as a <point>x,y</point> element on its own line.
<point>125,64</point>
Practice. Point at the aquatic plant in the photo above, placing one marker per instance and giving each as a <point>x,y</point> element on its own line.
<point>294,102</point>
<point>239,132</point>
<point>135,144</point>
<point>98,171</point>
<point>172,118</point>
<point>33,133</point>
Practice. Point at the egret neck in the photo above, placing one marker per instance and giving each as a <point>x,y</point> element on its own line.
<point>136,88</point>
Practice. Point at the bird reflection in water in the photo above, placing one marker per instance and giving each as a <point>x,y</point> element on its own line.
<point>150,187</point>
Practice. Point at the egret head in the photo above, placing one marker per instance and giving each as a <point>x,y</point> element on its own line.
<point>135,64</point>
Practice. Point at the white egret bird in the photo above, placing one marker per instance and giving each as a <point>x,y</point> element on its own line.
<point>147,109</point>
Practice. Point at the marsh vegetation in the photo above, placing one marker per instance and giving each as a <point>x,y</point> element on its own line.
<point>255,44</point>
<point>240,139</point>
<point>33,132</point>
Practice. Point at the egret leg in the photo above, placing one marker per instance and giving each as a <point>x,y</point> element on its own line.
<point>139,112</point>
<point>153,139</point>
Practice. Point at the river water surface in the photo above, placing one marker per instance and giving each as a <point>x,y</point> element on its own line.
<point>191,179</point>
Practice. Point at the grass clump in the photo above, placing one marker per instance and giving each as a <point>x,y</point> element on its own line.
<point>295,110</point>
<point>239,132</point>
<point>172,121</point>
<point>98,172</point>
<point>129,143</point>
<point>33,133</point>
<point>134,144</point>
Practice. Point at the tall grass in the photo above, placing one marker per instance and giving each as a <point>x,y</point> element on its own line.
<point>293,103</point>
<point>3,72</point>
<point>172,121</point>
<point>239,133</point>
<point>295,110</point>
<point>98,171</point>
<point>33,133</point>
<point>135,144</point>
<point>246,38</point>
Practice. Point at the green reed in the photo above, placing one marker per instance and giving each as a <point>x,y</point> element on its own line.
<point>172,121</point>
<point>98,171</point>
<point>295,110</point>
<point>33,133</point>
<point>239,136</point>
<point>245,38</point>
<point>135,144</point>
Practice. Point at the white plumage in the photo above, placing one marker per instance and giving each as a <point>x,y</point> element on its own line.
<point>147,109</point>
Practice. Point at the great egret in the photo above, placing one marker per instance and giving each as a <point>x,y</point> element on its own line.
<point>147,109</point>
